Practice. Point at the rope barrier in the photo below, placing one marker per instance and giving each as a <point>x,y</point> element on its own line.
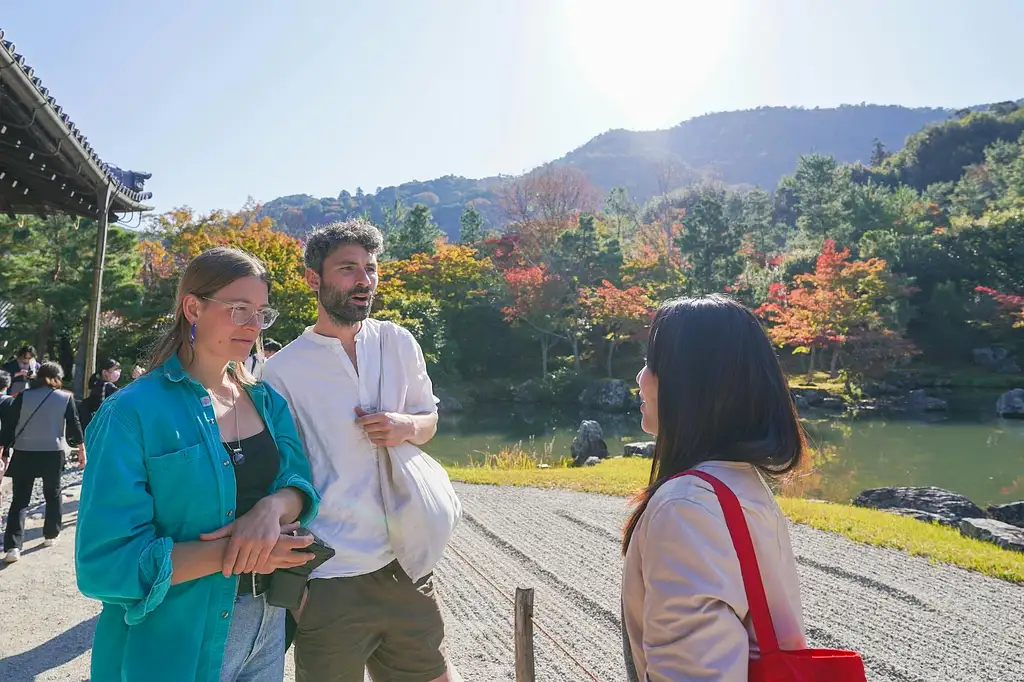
<point>512,601</point>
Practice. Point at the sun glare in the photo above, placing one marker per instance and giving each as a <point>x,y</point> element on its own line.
<point>648,57</point>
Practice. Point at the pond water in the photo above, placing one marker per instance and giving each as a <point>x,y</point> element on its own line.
<point>967,450</point>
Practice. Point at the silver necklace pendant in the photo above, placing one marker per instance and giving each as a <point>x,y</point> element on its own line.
<point>236,455</point>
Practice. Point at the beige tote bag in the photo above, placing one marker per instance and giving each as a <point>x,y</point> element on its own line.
<point>420,504</point>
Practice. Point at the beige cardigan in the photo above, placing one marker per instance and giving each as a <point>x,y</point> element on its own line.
<point>684,609</point>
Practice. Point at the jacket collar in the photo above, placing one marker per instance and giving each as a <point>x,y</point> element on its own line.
<point>173,371</point>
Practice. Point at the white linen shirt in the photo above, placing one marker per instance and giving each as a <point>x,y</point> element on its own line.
<point>323,389</point>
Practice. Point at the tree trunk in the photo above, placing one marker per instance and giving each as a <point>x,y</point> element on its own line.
<point>611,354</point>
<point>810,365</point>
<point>66,354</point>
<point>575,353</point>
<point>43,339</point>
<point>78,381</point>
<point>545,343</point>
<point>833,370</point>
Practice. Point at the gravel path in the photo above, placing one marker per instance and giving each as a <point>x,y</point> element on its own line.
<point>912,621</point>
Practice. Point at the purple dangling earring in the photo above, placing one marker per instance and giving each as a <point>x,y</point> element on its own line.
<point>192,335</point>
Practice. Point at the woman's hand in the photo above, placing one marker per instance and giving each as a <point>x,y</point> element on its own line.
<point>81,456</point>
<point>282,555</point>
<point>253,538</point>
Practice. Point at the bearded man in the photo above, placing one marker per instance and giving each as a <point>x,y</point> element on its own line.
<point>361,609</point>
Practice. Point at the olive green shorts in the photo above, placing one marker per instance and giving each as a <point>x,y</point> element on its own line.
<point>380,621</point>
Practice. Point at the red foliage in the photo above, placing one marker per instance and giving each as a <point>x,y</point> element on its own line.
<point>1011,304</point>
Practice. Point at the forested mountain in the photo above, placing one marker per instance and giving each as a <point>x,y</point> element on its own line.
<point>754,147</point>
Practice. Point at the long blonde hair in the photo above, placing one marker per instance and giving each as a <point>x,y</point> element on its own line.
<point>204,276</point>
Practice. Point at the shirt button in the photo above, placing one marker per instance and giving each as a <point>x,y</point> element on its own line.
<point>224,614</point>
<point>227,462</point>
<point>231,513</point>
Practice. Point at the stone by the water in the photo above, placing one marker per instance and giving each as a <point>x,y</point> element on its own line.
<point>943,503</point>
<point>610,395</point>
<point>920,401</point>
<point>589,442</point>
<point>996,532</point>
<point>927,517</point>
<point>592,461</point>
<point>1011,404</point>
<point>641,449</point>
<point>447,402</point>
<point>1011,513</point>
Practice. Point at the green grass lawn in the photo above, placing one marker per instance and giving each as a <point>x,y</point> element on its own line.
<point>624,476</point>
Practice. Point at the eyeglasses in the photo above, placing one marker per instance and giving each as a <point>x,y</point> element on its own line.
<point>243,313</point>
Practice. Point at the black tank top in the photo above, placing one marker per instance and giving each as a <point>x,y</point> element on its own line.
<point>255,469</point>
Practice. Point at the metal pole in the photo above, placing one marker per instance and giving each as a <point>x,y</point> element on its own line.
<point>525,667</point>
<point>92,322</point>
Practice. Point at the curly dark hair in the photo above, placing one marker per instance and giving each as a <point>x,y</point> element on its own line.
<point>323,240</point>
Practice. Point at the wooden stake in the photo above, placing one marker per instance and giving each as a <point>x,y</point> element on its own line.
<point>525,668</point>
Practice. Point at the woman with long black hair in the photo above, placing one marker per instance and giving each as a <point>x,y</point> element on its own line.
<point>718,402</point>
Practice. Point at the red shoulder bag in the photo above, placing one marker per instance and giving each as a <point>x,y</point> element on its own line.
<point>776,665</point>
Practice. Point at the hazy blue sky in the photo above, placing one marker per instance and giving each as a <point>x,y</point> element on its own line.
<point>221,99</point>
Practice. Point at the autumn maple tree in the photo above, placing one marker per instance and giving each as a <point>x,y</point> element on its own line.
<point>1011,305</point>
<point>839,306</point>
<point>535,299</point>
<point>623,314</point>
<point>178,236</point>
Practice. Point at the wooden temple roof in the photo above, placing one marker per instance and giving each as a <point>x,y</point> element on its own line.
<point>46,164</point>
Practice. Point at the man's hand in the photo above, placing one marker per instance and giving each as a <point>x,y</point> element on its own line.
<point>81,456</point>
<point>253,538</point>
<point>385,428</point>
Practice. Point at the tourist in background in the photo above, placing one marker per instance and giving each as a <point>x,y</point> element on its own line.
<point>718,402</point>
<point>256,361</point>
<point>5,402</point>
<point>102,385</point>
<point>196,480</point>
<point>363,611</point>
<point>22,368</point>
<point>40,424</point>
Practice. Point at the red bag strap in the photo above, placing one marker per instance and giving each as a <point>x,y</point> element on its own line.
<point>757,601</point>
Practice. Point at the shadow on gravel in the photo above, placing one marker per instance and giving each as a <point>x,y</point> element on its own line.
<point>64,648</point>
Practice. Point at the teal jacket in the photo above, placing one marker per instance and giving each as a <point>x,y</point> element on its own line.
<point>158,474</point>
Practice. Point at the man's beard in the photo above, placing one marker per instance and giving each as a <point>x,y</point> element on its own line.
<point>339,306</point>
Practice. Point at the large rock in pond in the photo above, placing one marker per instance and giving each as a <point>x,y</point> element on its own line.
<point>589,442</point>
<point>947,505</point>
<point>641,449</point>
<point>1011,404</point>
<point>919,401</point>
<point>610,395</point>
<point>996,532</point>
<point>1011,513</point>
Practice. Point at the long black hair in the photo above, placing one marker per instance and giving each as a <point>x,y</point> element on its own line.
<point>721,394</point>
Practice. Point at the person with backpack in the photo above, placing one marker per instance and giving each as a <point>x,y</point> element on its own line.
<point>710,588</point>
<point>102,385</point>
<point>40,425</point>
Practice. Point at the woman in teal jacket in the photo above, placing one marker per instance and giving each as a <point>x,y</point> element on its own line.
<point>196,479</point>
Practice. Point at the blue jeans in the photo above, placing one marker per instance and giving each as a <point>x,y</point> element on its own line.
<point>255,647</point>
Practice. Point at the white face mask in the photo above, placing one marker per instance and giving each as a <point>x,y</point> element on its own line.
<point>115,375</point>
